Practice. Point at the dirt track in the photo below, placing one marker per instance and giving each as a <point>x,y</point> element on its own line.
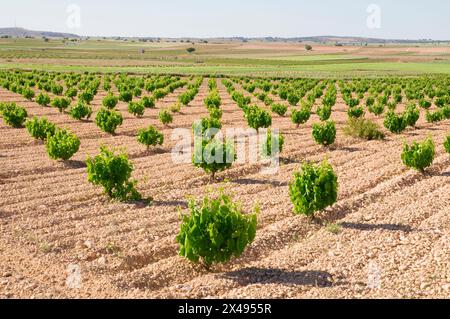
<point>393,241</point>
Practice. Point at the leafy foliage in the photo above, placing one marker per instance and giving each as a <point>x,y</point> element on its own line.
<point>272,145</point>
<point>314,188</point>
<point>377,108</point>
<point>213,100</point>
<point>40,128</point>
<point>113,172</point>
<point>165,117</point>
<point>13,115</point>
<point>363,128</point>
<point>355,112</point>
<point>61,103</point>
<point>215,231</point>
<point>110,101</point>
<point>108,120</point>
<point>447,144</point>
<point>293,99</point>
<point>419,155</point>
<point>150,137</point>
<point>213,156</point>
<point>43,99</point>
<point>395,123</point>
<point>125,96</point>
<point>257,118</point>
<point>86,97</point>
<point>411,115</point>
<point>62,144</point>
<point>324,112</point>
<point>28,93</point>
<point>279,109</point>
<point>324,133</point>
<point>148,102</point>
<point>137,109</point>
<point>301,116</point>
<point>81,111</point>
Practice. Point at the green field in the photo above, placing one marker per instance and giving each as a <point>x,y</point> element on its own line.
<point>222,58</point>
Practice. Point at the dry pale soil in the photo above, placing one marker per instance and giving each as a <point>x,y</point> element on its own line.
<point>60,237</point>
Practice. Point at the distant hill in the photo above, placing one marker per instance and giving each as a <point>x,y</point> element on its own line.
<point>337,40</point>
<point>22,33</point>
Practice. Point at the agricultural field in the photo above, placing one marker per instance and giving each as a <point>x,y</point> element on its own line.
<point>92,200</point>
<point>228,58</point>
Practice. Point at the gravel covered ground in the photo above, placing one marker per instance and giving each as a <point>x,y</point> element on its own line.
<point>388,235</point>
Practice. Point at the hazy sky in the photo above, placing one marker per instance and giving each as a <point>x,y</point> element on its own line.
<point>402,19</point>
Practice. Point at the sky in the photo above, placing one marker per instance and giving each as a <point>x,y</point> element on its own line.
<point>390,19</point>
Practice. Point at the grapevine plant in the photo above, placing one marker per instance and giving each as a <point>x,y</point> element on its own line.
<point>215,231</point>
<point>113,172</point>
<point>314,188</point>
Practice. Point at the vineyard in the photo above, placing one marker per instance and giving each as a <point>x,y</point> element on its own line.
<point>88,182</point>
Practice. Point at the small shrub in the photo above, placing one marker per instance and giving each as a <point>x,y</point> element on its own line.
<point>370,101</point>
<point>215,231</point>
<point>57,89</point>
<point>113,172</point>
<point>150,137</point>
<point>175,108</point>
<point>165,117</point>
<point>14,115</point>
<point>137,109</point>
<point>213,100</point>
<point>279,109</point>
<point>28,94</point>
<point>108,120</point>
<point>86,97</point>
<point>314,188</point>
<point>377,109</point>
<point>110,101</point>
<point>213,156</point>
<point>395,123</point>
<point>419,155</point>
<point>324,133</point>
<point>207,125</point>
<point>273,144</point>
<point>62,145</point>
<point>61,103</point>
<point>40,128</point>
<point>71,92</point>
<point>445,112</point>
<point>447,144</point>
<point>43,99</point>
<point>81,111</point>
<point>215,112</point>
<point>324,113</point>
<point>434,117</point>
<point>148,102</point>
<point>424,104</point>
<point>257,118</point>
<point>293,99</point>
<point>159,94</point>
<point>355,112</point>
<point>125,96</point>
<point>411,115</point>
<point>301,116</point>
<point>362,128</point>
